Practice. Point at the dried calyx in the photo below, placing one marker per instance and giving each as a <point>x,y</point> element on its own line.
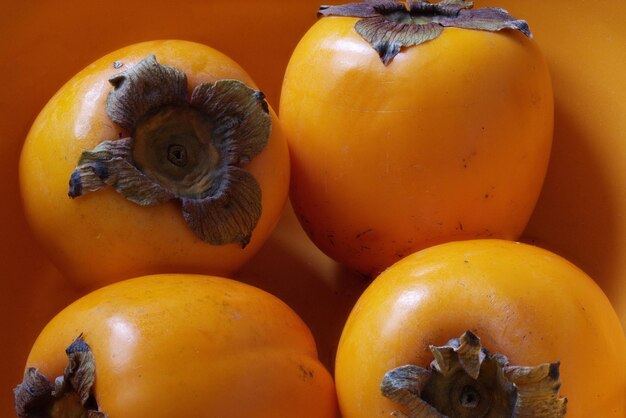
<point>389,25</point>
<point>467,381</point>
<point>70,396</point>
<point>188,149</point>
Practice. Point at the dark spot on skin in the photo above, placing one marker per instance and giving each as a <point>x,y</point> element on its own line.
<point>360,234</point>
<point>305,372</point>
<point>331,239</point>
<point>76,186</point>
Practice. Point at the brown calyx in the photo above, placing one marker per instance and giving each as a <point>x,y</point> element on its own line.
<point>467,381</point>
<point>389,25</point>
<point>188,149</point>
<point>70,396</point>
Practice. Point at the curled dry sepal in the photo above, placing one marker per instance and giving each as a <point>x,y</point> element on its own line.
<point>388,25</point>
<point>182,148</point>
<point>465,380</point>
<point>71,395</point>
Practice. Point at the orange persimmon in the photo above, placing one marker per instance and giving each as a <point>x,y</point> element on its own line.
<point>525,303</point>
<point>178,346</point>
<point>174,160</point>
<point>397,147</point>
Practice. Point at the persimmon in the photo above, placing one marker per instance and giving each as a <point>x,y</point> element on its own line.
<point>482,328</point>
<point>175,163</point>
<point>176,345</point>
<point>408,128</point>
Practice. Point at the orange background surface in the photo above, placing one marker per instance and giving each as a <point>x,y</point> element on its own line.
<point>581,213</point>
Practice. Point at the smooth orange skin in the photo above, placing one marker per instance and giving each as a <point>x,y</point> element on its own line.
<point>102,237</point>
<point>451,140</point>
<point>191,346</point>
<point>522,301</point>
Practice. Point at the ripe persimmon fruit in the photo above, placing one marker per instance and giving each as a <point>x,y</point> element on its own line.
<point>404,133</point>
<point>175,163</point>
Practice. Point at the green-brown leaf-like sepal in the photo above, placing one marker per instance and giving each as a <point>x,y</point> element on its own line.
<point>538,389</point>
<point>241,117</point>
<point>389,25</point>
<point>110,163</point>
<point>467,381</point>
<point>71,395</point>
<point>144,89</point>
<point>188,150</point>
<point>231,212</point>
<point>404,385</point>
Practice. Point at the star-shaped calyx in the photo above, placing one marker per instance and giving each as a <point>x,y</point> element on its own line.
<point>70,395</point>
<point>389,25</point>
<point>466,381</point>
<point>189,149</point>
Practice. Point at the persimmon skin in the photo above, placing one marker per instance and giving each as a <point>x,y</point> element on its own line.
<point>191,345</point>
<point>449,141</point>
<point>522,301</point>
<point>102,237</point>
